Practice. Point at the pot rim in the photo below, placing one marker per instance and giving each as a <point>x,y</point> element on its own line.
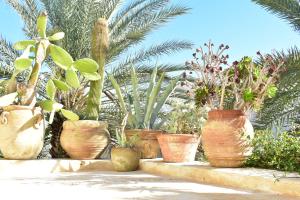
<point>176,135</point>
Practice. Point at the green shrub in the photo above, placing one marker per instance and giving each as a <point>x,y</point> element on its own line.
<point>279,152</point>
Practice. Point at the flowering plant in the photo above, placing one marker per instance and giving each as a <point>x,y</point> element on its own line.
<point>244,85</point>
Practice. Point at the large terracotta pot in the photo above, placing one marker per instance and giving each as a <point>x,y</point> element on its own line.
<point>125,159</point>
<point>21,132</point>
<point>178,147</point>
<point>226,138</point>
<point>146,143</point>
<point>84,139</point>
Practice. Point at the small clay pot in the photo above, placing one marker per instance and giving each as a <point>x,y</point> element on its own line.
<point>226,138</point>
<point>84,139</point>
<point>125,159</point>
<point>146,143</point>
<point>178,147</point>
<point>21,132</point>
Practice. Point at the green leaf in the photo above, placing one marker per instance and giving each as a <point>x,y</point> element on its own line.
<point>91,76</point>
<point>21,45</point>
<point>47,105</point>
<point>151,101</point>
<point>72,79</point>
<point>69,115</point>
<point>61,85</point>
<point>248,95</point>
<point>8,99</point>
<point>50,106</point>
<point>50,89</point>
<point>57,36</point>
<point>136,96</point>
<point>150,87</point>
<point>162,99</point>
<point>22,64</point>
<point>42,24</point>
<point>86,65</point>
<point>271,91</point>
<point>118,93</point>
<point>61,57</point>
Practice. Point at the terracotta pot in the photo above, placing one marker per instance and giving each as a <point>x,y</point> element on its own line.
<point>84,139</point>
<point>178,147</point>
<point>147,143</point>
<point>226,138</point>
<point>21,132</point>
<point>125,159</point>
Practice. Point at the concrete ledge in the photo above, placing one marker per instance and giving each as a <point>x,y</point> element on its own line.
<point>28,167</point>
<point>244,178</point>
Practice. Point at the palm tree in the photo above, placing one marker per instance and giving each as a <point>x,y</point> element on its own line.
<point>285,106</point>
<point>130,22</point>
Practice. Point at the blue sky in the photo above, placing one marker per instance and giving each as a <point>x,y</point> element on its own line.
<point>241,24</point>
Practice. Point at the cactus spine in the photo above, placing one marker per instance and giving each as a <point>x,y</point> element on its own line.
<point>100,44</point>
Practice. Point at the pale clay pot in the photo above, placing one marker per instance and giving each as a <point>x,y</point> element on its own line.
<point>21,132</point>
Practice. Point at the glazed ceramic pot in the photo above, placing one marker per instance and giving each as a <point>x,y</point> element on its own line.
<point>226,138</point>
<point>178,147</point>
<point>84,139</point>
<point>21,132</point>
<point>125,159</point>
<point>146,143</point>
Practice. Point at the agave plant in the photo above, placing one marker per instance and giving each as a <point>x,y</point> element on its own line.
<point>143,115</point>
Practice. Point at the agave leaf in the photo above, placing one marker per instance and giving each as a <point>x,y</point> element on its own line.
<point>121,99</point>
<point>118,93</point>
<point>8,99</point>
<point>162,99</point>
<point>136,96</point>
<point>151,85</point>
<point>57,36</point>
<point>151,101</point>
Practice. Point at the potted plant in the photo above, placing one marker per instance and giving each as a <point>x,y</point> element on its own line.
<point>88,138</point>
<point>142,115</point>
<point>183,126</point>
<point>124,157</point>
<point>21,120</point>
<point>230,91</point>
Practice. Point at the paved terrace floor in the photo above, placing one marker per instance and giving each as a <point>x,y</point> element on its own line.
<point>116,185</point>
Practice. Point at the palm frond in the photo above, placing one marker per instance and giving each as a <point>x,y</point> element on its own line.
<point>285,106</point>
<point>286,9</point>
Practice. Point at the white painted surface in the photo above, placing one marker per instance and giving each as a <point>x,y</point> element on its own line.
<point>114,185</point>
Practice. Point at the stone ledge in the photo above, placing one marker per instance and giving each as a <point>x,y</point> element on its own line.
<point>29,167</point>
<point>244,178</point>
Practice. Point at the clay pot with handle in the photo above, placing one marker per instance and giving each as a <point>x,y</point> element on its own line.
<point>21,132</point>
<point>84,139</point>
<point>226,138</point>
